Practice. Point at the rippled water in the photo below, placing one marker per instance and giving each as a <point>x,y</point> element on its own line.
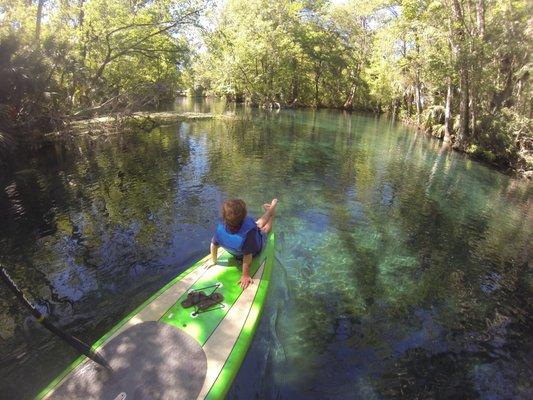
<point>403,269</point>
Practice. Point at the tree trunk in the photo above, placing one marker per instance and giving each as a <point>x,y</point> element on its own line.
<point>81,15</point>
<point>464,109</point>
<point>348,104</point>
<point>407,104</point>
<point>475,64</point>
<point>473,109</point>
<point>38,21</point>
<point>502,98</point>
<point>317,81</point>
<point>480,14</point>
<point>100,70</point>
<point>396,104</point>
<point>448,113</point>
<point>478,52</point>
<point>417,85</point>
<point>418,99</point>
<point>294,83</point>
<point>76,75</point>
<point>458,36</point>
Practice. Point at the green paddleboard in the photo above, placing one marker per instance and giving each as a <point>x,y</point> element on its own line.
<point>164,351</point>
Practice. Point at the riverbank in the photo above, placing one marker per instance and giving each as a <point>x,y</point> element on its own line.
<point>511,152</point>
<point>96,127</point>
<point>493,144</point>
<point>145,120</point>
<point>519,162</point>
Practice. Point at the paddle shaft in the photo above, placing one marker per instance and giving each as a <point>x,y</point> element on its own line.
<point>80,346</point>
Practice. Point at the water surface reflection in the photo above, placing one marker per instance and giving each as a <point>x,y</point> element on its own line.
<point>403,270</point>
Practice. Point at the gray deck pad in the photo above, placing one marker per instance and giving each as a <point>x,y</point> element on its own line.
<point>150,360</point>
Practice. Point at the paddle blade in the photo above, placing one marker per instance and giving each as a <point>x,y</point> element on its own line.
<point>82,347</point>
<point>74,342</point>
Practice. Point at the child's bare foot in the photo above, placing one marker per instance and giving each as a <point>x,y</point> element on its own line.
<point>272,205</point>
<point>265,222</point>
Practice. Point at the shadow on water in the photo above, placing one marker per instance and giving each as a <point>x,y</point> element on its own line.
<point>403,267</point>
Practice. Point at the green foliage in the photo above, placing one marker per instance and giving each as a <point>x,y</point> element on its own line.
<point>498,135</point>
<point>90,56</point>
<point>286,52</point>
<point>433,118</point>
<point>127,46</point>
<point>406,57</point>
<point>28,92</point>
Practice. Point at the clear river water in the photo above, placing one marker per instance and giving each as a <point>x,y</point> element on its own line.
<point>403,270</point>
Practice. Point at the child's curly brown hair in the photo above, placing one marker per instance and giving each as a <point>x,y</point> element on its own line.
<point>233,213</point>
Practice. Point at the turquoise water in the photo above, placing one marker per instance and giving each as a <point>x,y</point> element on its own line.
<point>403,269</point>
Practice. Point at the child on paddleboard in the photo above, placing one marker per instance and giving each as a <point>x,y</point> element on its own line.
<point>241,236</point>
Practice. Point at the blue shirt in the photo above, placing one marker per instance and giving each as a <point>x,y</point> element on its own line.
<point>253,244</point>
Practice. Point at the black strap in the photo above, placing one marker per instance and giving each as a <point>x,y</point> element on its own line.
<point>197,311</point>
<point>216,286</point>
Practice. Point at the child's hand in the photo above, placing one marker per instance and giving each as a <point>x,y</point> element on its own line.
<point>210,263</point>
<point>245,281</point>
